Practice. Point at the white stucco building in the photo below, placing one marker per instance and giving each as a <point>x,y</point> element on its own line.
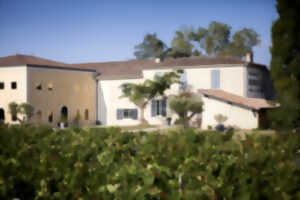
<point>232,87</point>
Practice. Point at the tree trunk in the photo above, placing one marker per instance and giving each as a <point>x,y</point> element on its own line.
<point>142,117</point>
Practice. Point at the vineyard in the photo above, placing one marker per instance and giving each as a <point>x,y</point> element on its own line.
<point>105,163</point>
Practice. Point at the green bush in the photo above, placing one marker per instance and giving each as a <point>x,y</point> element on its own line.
<point>39,163</point>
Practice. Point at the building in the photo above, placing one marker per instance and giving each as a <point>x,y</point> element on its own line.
<point>229,86</point>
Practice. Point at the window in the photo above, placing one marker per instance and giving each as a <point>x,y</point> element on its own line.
<point>50,86</point>
<point>13,85</point>
<point>38,86</point>
<point>215,79</point>
<point>158,107</point>
<point>127,114</point>
<point>86,114</point>
<point>1,85</point>
<point>183,80</point>
<point>50,117</point>
<point>254,82</point>
<point>14,118</point>
<point>159,74</point>
<point>2,115</point>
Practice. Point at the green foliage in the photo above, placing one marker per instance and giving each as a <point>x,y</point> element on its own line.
<point>151,47</point>
<point>142,93</point>
<point>39,163</point>
<point>214,40</point>
<point>186,105</point>
<point>242,42</point>
<point>181,46</point>
<point>220,118</point>
<point>24,109</point>
<point>285,64</point>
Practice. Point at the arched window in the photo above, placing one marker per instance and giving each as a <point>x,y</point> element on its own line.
<point>2,115</point>
<point>50,117</point>
<point>86,114</point>
<point>64,112</point>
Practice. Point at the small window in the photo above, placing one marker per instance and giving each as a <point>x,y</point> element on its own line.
<point>50,117</point>
<point>39,86</point>
<point>50,86</point>
<point>86,114</point>
<point>159,107</point>
<point>13,85</point>
<point>1,85</point>
<point>127,114</point>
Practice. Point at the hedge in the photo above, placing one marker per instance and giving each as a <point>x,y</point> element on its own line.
<point>105,163</point>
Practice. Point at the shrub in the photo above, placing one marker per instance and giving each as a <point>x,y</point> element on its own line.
<point>103,163</point>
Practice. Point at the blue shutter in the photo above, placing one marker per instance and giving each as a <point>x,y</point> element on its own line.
<point>119,114</point>
<point>215,79</point>
<point>183,80</point>
<point>153,108</point>
<point>134,114</point>
<point>164,107</point>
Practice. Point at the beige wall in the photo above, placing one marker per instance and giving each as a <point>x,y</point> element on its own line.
<point>232,79</point>
<point>74,89</point>
<point>237,116</point>
<point>19,95</point>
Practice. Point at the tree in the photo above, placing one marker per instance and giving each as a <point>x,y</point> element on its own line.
<point>243,42</point>
<point>141,94</point>
<point>181,45</point>
<point>186,105</point>
<point>285,64</point>
<point>25,109</point>
<point>151,47</point>
<point>213,40</point>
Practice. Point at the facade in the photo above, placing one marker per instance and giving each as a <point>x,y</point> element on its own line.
<point>93,89</point>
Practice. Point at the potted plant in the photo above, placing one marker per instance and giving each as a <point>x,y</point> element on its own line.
<point>63,122</point>
<point>169,119</point>
<point>220,119</point>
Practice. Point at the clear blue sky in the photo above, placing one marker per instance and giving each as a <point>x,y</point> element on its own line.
<point>75,31</point>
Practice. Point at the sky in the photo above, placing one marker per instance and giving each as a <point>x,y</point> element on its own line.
<point>80,31</point>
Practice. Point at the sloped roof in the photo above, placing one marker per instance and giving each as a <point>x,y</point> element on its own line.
<point>126,69</point>
<point>253,103</point>
<point>19,60</point>
<point>133,68</point>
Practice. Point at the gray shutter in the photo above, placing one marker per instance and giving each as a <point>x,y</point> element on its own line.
<point>153,108</point>
<point>119,114</point>
<point>134,114</point>
<point>215,79</point>
<point>164,107</point>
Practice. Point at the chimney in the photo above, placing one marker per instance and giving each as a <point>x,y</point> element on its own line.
<point>249,57</point>
<point>157,60</point>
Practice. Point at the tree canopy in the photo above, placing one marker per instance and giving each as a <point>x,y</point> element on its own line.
<point>213,41</point>
<point>186,105</point>
<point>151,47</point>
<point>285,63</point>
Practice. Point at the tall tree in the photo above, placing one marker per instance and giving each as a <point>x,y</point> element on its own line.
<point>215,39</point>
<point>141,94</point>
<point>181,45</point>
<point>151,47</point>
<point>285,63</point>
<point>243,42</point>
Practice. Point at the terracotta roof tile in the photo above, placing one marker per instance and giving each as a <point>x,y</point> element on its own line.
<point>254,103</point>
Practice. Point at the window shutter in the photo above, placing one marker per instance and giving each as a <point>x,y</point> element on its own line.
<point>119,114</point>
<point>164,107</point>
<point>153,108</point>
<point>134,114</point>
<point>215,79</point>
